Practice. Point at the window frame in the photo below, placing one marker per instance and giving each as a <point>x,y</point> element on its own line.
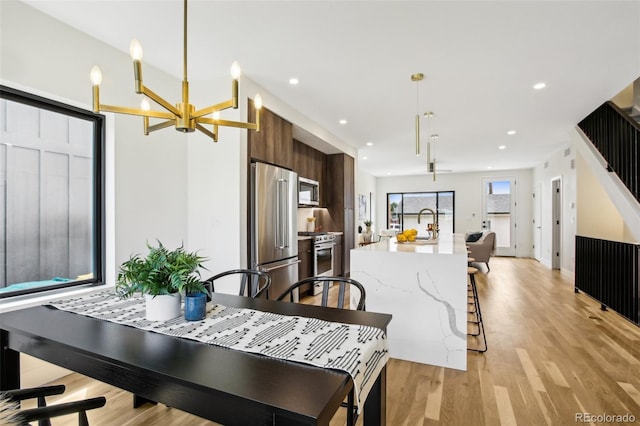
<point>98,185</point>
<point>437,194</point>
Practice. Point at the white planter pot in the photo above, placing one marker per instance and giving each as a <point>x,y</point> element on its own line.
<point>163,307</point>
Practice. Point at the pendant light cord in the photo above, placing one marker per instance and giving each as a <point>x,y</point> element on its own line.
<point>184,58</point>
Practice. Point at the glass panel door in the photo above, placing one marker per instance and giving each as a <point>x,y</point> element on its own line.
<point>498,213</point>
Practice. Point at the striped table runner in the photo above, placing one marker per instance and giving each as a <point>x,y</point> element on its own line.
<point>361,351</point>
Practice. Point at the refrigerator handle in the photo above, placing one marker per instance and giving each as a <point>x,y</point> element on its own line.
<point>279,214</point>
<point>285,224</point>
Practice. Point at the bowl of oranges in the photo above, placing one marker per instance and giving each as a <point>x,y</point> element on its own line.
<point>407,236</point>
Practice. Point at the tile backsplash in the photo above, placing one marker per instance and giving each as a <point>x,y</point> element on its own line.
<point>322,218</point>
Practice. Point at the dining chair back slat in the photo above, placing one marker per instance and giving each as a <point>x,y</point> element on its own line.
<point>253,283</point>
<point>325,300</point>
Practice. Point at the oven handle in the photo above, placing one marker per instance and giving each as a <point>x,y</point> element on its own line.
<point>324,245</point>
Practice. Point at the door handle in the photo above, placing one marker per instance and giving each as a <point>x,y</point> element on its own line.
<point>280,266</point>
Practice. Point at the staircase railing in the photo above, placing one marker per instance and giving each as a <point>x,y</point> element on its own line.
<point>617,137</point>
<point>609,271</point>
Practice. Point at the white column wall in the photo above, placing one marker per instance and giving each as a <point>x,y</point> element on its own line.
<point>558,166</point>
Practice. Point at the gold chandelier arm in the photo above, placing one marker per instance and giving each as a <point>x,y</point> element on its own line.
<point>162,125</point>
<point>207,132</point>
<point>229,123</point>
<point>213,108</point>
<point>157,99</point>
<point>134,111</point>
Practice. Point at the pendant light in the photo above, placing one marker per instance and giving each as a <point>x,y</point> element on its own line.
<point>417,78</point>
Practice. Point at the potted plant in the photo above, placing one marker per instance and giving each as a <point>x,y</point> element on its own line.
<point>162,276</point>
<point>367,233</point>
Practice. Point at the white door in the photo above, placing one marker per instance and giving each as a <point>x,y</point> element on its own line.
<point>537,222</point>
<point>556,230</point>
<point>498,212</point>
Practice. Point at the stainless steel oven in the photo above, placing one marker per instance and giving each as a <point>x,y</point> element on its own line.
<point>323,247</point>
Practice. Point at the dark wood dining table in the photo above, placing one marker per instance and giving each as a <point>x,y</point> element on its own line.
<point>223,385</point>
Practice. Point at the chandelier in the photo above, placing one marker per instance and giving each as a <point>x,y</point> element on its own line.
<point>183,115</point>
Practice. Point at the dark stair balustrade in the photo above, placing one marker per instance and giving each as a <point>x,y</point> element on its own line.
<point>617,137</point>
<point>609,271</point>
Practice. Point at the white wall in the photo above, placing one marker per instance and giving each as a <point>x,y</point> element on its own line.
<point>468,199</point>
<point>365,184</point>
<point>597,215</point>
<point>216,187</point>
<point>558,166</point>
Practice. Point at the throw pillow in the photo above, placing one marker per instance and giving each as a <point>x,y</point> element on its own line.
<point>474,236</point>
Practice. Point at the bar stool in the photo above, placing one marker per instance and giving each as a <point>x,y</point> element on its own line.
<point>470,260</point>
<point>471,271</point>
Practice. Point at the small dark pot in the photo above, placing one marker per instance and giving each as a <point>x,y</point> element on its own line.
<point>195,306</point>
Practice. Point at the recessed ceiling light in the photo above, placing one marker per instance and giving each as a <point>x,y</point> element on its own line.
<point>489,167</point>
<point>369,143</point>
<point>343,121</point>
<point>502,147</point>
<point>365,158</point>
<point>540,85</point>
<point>293,81</point>
<point>511,132</point>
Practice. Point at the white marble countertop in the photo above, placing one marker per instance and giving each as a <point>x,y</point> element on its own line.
<point>448,244</point>
<point>424,287</point>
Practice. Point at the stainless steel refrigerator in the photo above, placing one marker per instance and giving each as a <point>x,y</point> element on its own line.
<point>273,233</point>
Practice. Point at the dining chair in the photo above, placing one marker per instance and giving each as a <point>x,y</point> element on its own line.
<point>10,400</point>
<point>253,283</point>
<point>326,283</point>
<point>342,285</point>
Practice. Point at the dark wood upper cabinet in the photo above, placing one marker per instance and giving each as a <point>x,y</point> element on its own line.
<point>311,164</point>
<point>274,142</point>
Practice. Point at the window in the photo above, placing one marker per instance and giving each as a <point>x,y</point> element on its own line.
<point>51,195</point>
<point>403,209</point>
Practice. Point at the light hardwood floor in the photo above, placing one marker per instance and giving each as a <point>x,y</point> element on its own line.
<point>552,354</point>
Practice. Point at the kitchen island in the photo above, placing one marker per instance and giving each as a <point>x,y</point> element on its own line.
<point>424,286</point>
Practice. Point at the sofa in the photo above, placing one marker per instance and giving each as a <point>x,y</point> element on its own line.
<point>481,247</point>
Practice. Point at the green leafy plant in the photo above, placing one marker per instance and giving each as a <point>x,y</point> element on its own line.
<point>162,271</point>
<point>368,223</point>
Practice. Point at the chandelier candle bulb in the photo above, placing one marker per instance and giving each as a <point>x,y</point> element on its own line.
<point>135,50</point>
<point>96,75</point>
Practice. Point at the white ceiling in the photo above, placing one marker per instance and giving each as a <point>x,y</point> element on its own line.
<point>354,60</point>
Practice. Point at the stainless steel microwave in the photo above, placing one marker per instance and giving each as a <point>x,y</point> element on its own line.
<point>308,192</point>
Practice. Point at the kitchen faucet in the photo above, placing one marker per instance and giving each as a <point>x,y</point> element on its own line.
<point>434,222</point>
